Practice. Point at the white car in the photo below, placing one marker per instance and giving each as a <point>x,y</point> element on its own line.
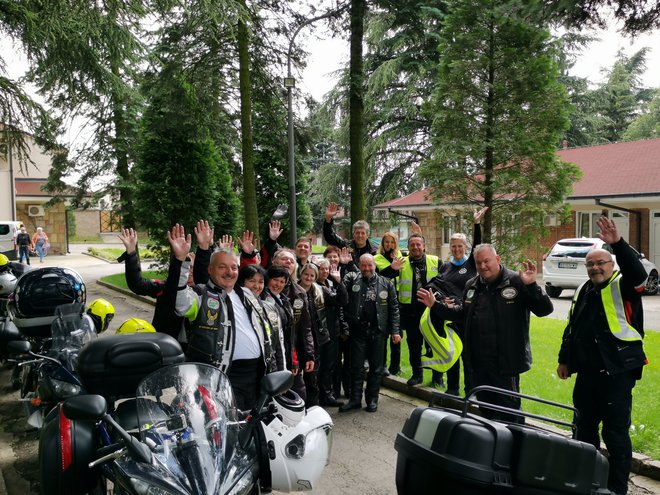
<point>564,268</point>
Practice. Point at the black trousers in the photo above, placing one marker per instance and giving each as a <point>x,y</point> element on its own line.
<point>410,324</point>
<point>607,399</point>
<point>342,374</point>
<point>311,379</point>
<point>245,378</point>
<point>454,373</point>
<point>329,352</point>
<point>492,377</point>
<point>366,345</point>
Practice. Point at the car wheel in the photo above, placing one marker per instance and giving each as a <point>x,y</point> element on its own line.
<point>651,284</point>
<point>553,291</point>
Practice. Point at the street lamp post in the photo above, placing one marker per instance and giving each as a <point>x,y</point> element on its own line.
<point>289,84</point>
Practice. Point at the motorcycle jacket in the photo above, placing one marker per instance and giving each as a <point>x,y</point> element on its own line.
<point>608,320</point>
<point>511,302</point>
<point>212,333</point>
<point>387,306</point>
<point>302,322</point>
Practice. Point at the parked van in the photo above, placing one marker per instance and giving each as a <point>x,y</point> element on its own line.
<point>8,231</point>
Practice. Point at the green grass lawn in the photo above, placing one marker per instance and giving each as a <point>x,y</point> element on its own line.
<point>542,381</point>
<point>119,279</point>
<point>111,254</point>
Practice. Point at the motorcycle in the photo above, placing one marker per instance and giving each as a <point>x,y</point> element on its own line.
<point>192,440</point>
<point>49,374</point>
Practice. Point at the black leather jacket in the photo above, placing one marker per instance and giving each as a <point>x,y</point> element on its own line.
<point>616,356</point>
<point>512,302</point>
<point>387,305</point>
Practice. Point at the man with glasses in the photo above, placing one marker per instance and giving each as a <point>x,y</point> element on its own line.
<point>602,343</point>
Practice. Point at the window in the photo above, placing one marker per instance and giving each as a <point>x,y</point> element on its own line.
<point>448,226</point>
<point>586,223</point>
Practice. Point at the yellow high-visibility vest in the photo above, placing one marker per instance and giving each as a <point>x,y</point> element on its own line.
<point>615,312</point>
<point>446,350</point>
<point>406,275</point>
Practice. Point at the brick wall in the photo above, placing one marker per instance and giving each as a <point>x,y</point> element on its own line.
<point>53,222</point>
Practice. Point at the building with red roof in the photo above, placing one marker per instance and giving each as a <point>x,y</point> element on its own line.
<point>622,179</point>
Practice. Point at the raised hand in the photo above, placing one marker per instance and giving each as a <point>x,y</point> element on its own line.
<point>609,233</point>
<point>226,241</point>
<point>344,256</point>
<point>204,234</point>
<point>128,237</point>
<point>246,242</point>
<point>334,273</point>
<point>528,272</point>
<point>415,228</point>
<point>179,241</point>
<point>274,230</point>
<point>330,211</point>
<point>397,263</point>
<point>479,215</point>
<point>426,297</point>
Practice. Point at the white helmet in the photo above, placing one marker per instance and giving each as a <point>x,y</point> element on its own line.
<point>290,408</point>
<point>301,451</point>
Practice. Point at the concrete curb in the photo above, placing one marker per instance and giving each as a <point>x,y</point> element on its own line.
<point>641,464</point>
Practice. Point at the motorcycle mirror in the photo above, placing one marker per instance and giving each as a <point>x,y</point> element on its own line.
<point>85,407</point>
<point>19,347</point>
<point>277,382</point>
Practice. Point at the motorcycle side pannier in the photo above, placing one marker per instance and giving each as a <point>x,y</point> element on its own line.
<point>114,365</point>
<point>66,448</point>
<point>557,464</point>
<point>444,453</point>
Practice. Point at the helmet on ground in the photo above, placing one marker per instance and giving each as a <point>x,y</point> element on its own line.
<point>134,325</point>
<point>102,312</point>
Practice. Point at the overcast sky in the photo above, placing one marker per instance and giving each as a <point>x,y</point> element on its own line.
<point>326,55</point>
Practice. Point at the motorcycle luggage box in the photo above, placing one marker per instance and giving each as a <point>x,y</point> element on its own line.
<point>556,464</point>
<point>442,452</point>
<point>66,448</point>
<point>114,365</point>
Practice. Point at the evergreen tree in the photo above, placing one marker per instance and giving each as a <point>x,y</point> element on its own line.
<point>647,124</point>
<point>499,113</point>
<point>181,176</point>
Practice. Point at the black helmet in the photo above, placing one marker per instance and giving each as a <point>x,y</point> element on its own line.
<point>37,294</point>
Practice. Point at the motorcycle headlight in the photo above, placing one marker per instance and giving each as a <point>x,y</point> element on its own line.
<point>142,487</point>
<point>64,390</point>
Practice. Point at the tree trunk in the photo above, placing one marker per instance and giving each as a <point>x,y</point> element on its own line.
<point>249,187</point>
<point>356,113</point>
<point>489,158</point>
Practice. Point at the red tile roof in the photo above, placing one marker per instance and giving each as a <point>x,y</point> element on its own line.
<point>30,188</point>
<point>418,198</point>
<point>618,169</point>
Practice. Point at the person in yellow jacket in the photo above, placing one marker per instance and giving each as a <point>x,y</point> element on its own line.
<point>389,251</point>
<point>603,345</point>
<point>414,272</point>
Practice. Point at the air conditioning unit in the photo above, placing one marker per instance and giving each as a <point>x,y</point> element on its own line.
<point>550,221</point>
<point>36,211</point>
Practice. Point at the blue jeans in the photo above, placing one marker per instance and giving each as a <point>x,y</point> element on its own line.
<point>40,250</point>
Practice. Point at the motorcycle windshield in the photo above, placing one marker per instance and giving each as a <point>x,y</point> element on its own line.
<point>71,330</point>
<point>188,418</point>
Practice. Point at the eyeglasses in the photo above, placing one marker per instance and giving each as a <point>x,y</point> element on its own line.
<point>592,264</point>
